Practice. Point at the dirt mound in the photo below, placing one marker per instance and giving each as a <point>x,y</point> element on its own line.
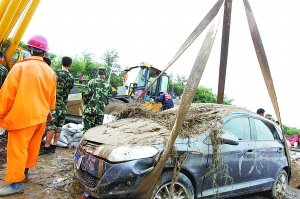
<point>138,125</point>
<point>199,113</point>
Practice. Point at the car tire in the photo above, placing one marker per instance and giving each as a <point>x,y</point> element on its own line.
<point>183,187</point>
<point>280,185</point>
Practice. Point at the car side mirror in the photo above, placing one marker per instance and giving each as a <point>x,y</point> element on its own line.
<point>229,138</point>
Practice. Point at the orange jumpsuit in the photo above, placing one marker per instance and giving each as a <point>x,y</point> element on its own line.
<point>26,97</point>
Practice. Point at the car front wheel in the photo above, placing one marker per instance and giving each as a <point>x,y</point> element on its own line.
<point>280,185</point>
<point>183,188</point>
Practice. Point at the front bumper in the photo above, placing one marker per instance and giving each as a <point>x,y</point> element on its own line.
<point>102,179</point>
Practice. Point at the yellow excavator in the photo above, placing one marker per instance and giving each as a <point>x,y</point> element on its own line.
<point>14,13</point>
<point>135,80</point>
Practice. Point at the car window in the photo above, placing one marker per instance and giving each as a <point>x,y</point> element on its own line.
<point>279,133</point>
<point>239,127</point>
<point>264,130</point>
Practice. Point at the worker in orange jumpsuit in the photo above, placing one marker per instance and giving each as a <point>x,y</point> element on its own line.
<point>26,99</point>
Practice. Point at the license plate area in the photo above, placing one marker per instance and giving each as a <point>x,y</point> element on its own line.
<point>78,159</point>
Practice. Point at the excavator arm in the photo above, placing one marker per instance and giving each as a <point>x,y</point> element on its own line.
<point>14,13</point>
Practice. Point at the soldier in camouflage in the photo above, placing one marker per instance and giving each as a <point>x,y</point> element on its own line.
<point>3,70</point>
<point>65,82</point>
<point>96,96</point>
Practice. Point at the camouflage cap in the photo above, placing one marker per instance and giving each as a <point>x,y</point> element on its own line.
<point>102,70</point>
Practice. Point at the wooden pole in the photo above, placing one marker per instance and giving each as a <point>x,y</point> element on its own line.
<point>262,58</point>
<point>264,66</point>
<point>224,50</point>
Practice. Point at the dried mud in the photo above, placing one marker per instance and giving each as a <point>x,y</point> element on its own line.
<point>204,114</point>
<point>138,125</point>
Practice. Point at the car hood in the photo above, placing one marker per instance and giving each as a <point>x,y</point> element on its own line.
<point>130,131</point>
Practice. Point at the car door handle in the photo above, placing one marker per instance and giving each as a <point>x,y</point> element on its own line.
<point>279,150</point>
<point>250,152</point>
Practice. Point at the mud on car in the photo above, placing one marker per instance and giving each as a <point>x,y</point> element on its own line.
<point>113,159</point>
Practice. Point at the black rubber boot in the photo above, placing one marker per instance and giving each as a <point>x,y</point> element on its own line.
<point>52,148</point>
<point>26,175</point>
<point>45,150</point>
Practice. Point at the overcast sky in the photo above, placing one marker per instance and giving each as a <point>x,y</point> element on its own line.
<point>152,31</point>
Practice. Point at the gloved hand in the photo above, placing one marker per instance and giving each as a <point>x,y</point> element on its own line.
<point>152,101</point>
<point>2,131</point>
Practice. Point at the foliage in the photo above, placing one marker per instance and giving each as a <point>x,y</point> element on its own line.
<point>290,130</point>
<point>55,60</point>
<point>176,88</point>
<point>91,66</point>
<point>202,95</point>
<point>22,45</point>
<point>114,71</point>
<point>110,57</point>
<point>5,44</point>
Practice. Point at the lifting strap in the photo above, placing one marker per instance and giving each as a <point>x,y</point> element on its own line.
<point>193,36</point>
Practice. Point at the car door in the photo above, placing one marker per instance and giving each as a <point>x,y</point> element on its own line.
<point>235,171</point>
<point>270,153</point>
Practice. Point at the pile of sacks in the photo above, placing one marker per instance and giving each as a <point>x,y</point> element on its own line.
<point>71,135</point>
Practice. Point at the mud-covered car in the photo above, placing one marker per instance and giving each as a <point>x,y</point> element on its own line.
<point>224,150</point>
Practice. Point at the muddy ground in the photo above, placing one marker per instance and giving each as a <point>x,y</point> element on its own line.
<point>52,178</point>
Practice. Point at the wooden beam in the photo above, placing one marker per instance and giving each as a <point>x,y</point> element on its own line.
<point>262,58</point>
<point>224,50</point>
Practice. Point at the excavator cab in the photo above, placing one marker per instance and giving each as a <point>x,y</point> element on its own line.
<point>137,78</point>
<point>19,55</point>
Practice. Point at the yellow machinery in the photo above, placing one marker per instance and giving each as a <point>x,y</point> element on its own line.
<point>137,78</point>
<point>12,13</point>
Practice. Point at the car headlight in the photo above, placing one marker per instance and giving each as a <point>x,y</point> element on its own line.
<point>126,153</point>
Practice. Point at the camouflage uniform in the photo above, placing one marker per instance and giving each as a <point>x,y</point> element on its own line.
<point>95,96</point>
<point>3,74</point>
<point>65,82</point>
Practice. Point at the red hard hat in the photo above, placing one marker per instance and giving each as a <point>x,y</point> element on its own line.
<point>38,42</point>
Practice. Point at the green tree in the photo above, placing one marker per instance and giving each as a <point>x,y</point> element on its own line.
<point>177,88</point>
<point>78,66</point>
<point>55,60</point>
<point>290,130</point>
<point>90,65</point>
<point>110,57</point>
<point>114,71</point>
<point>204,95</point>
